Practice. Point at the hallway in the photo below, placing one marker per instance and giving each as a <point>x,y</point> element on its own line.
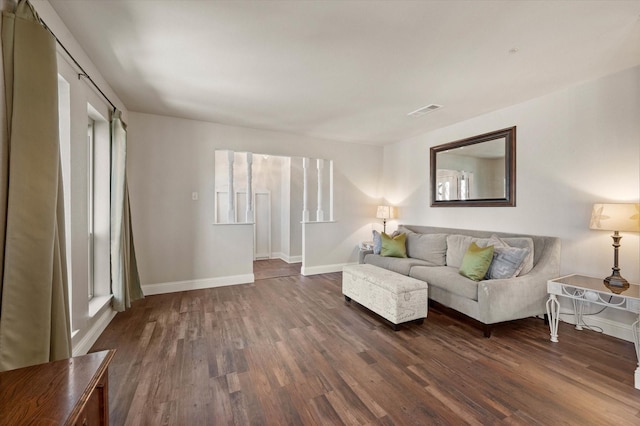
<point>274,268</point>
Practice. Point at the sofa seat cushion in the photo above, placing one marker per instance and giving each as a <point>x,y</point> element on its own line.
<point>446,278</point>
<point>396,264</point>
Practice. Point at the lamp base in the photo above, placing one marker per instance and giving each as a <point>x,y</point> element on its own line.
<point>616,283</point>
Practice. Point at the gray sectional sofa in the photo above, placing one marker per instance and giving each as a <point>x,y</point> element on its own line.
<point>435,254</point>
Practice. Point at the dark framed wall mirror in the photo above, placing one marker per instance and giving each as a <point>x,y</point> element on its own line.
<point>479,171</point>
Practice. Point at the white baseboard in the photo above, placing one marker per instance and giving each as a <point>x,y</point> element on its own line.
<point>292,259</point>
<point>609,327</point>
<point>323,269</point>
<point>286,258</point>
<point>172,287</point>
<point>94,332</point>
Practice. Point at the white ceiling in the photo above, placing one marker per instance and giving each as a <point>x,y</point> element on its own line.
<point>348,70</point>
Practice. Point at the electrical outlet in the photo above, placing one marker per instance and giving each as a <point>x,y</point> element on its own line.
<point>194,196</point>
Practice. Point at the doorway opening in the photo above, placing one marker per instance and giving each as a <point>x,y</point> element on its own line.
<point>277,194</point>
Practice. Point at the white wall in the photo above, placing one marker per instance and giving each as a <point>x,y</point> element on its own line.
<point>176,241</point>
<point>575,147</point>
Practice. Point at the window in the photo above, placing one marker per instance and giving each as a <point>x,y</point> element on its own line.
<point>91,203</point>
<point>85,151</point>
<point>98,151</point>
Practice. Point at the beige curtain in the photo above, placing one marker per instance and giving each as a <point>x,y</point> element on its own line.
<point>125,281</point>
<point>34,311</point>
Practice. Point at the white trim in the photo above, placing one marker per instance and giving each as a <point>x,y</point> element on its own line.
<point>83,346</point>
<point>305,190</point>
<point>319,221</point>
<point>172,287</point>
<point>331,218</point>
<point>320,211</point>
<point>231,208</point>
<point>610,328</point>
<point>97,303</point>
<point>323,269</point>
<point>284,257</point>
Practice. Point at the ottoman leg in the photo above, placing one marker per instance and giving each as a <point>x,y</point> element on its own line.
<point>419,321</point>
<point>347,298</point>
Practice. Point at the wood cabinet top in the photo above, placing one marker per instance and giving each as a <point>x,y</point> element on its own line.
<point>51,393</point>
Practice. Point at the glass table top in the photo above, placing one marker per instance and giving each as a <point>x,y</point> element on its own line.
<point>597,284</point>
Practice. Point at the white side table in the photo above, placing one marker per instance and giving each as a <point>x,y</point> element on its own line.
<point>583,289</point>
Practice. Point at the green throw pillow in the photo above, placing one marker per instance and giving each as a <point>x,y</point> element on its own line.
<point>394,247</point>
<point>476,262</point>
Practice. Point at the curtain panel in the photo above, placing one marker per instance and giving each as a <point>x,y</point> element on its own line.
<point>125,281</point>
<point>34,310</point>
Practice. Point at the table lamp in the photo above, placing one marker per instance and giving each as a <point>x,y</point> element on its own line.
<point>384,213</point>
<point>616,217</point>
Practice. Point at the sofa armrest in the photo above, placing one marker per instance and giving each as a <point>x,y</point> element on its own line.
<point>523,296</point>
<point>362,254</point>
<point>509,299</point>
<point>515,298</point>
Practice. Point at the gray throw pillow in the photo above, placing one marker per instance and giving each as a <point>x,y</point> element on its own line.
<point>377,242</point>
<point>506,263</point>
<point>520,242</point>
<point>527,264</point>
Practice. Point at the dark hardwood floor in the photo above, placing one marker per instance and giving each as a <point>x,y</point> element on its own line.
<point>289,350</point>
<point>274,268</point>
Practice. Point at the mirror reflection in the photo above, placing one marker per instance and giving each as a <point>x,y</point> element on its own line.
<point>477,171</point>
<point>472,172</point>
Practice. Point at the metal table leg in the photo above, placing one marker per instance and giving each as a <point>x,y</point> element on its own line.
<point>553,310</point>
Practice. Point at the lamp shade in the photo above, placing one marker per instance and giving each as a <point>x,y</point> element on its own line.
<point>384,212</point>
<point>616,217</point>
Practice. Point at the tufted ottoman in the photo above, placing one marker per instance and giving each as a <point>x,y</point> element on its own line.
<point>395,297</point>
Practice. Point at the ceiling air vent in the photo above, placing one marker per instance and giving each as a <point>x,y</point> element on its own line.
<point>424,110</point>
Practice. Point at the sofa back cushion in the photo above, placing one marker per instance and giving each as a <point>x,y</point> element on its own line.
<point>544,247</point>
<point>457,246</point>
<point>431,248</point>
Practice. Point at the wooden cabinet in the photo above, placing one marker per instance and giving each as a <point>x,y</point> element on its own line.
<point>73,391</point>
